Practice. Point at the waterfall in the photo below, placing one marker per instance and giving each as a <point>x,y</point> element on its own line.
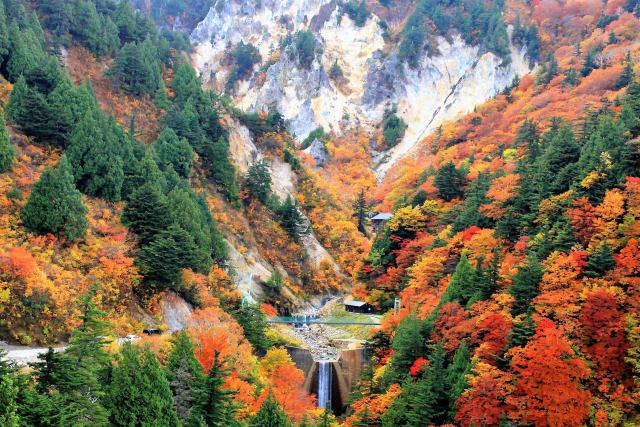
<point>324,384</point>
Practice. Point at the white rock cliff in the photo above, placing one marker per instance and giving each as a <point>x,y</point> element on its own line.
<point>446,84</point>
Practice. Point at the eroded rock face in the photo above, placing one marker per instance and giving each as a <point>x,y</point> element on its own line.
<point>447,83</point>
<point>318,152</point>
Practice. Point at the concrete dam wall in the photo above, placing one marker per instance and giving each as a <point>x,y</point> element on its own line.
<point>331,381</point>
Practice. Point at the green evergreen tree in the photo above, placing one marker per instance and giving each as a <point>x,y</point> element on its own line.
<point>600,261</point>
<point>275,281</point>
<point>408,345</point>
<point>136,68</point>
<point>555,169</point>
<point>8,406</point>
<point>270,415</point>
<point>182,387</point>
<point>222,171</point>
<point>626,77</point>
<point>474,197</point>
<point>457,371</point>
<point>96,155</point>
<point>430,403</point>
<point>147,213</point>
<point>55,205</point>
<point>139,392</point>
<point>570,77</point>
<point>522,331</point>
<point>292,220</point>
<point>258,181</point>
<point>185,374</point>
<point>161,261</point>
<point>214,405</point>
<point>589,63</point>
<point>82,390</point>
<point>7,152</point>
<point>255,326</point>
<point>175,152</point>
<point>462,285</point>
<point>525,286</point>
<point>51,370</point>
<point>448,181</point>
<point>360,211</point>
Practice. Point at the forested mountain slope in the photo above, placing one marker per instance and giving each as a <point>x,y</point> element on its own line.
<point>514,245</point>
<point>151,177</point>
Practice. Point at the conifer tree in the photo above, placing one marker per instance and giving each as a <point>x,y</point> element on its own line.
<point>292,220</point>
<point>213,404</point>
<point>456,375</point>
<point>522,331</point>
<point>408,344</point>
<point>162,260</point>
<point>7,152</point>
<point>474,197</point>
<point>525,286</point>
<point>185,374</point>
<point>360,211</point>
<point>430,404</point>
<point>55,205</point>
<point>96,156</point>
<point>555,168</point>
<point>83,388</point>
<point>175,152</point>
<point>626,77</point>
<point>182,387</point>
<point>270,415</point>
<point>147,213</point>
<point>462,284</point>
<point>8,406</point>
<point>448,181</point>
<point>600,261</point>
<point>139,392</point>
<point>254,324</point>
<point>258,181</point>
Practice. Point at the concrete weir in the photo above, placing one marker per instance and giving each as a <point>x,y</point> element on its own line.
<point>330,380</point>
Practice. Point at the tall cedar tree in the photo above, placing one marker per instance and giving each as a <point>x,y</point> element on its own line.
<point>430,403</point>
<point>185,374</point>
<point>83,387</point>
<point>292,220</point>
<point>162,260</point>
<point>258,181</point>
<point>254,324</point>
<point>408,344</point>
<point>7,152</point>
<point>270,415</point>
<point>55,205</point>
<point>448,180</point>
<point>463,283</point>
<point>174,152</point>
<point>457,373</point>
<point>525,286</point>
<point>214,406</point>
<point>360,211</point>
<point>147,213</point>
<point>139,392</point>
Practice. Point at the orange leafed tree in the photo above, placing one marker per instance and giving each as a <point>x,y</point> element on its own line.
<point>602,322</point>
<point>484,403</point>
<point>548,391</point>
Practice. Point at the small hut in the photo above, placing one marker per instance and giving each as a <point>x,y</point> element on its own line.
<point>378,221</point>
<point>357,307</point>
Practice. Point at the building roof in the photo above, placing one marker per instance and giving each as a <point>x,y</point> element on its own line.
<point>383,216</point>
<point>355,303</point>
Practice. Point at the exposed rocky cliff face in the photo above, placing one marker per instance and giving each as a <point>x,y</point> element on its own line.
<point>446,83</point>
